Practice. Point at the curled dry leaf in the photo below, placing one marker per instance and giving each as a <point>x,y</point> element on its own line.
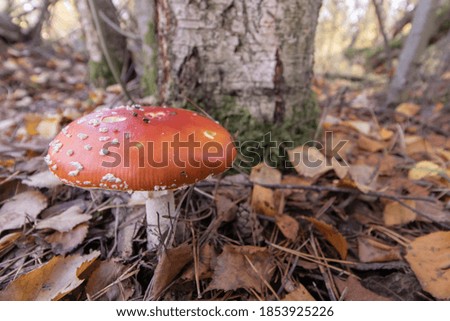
<point>65,221</point>
<point>332,235</point>
<point>21,209</point>
<point>429,258</point>
<point>8,240</point>
<point>396,214</point>
<point>371,250</point>
<point>105,282</point>
<point>361,177</point>
<point>65,242</point>
<point>51,281</point>
<point>234,270</point>
<point>207,260</point>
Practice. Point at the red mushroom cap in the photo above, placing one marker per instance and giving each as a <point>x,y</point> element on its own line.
<point>142,148</point>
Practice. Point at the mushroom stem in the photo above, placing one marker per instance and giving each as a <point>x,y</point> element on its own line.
<point>160,209</point>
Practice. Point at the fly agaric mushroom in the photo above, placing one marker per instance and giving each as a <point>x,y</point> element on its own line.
<point>141,148</point>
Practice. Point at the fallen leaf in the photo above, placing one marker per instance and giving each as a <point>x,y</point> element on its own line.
<point>104,283</point>
<point>65,221</point>
<point>207,260</point>
<point>65,242</point>
<point>309,161</point>
<point>386,134</point>
<point>354,291</point>
<point>51,281</point>
<point>361,177</point>
<point>43,179</point>
<point>21,209</point>
<point>169,266</point>
<point>396,214</point>
<point>425,169</point>
<point>362,127</point>
<point>332,235</point>
<point>234,271</point>
<point>417,144</point>
<point>372,250</point>
<point>226,207</point>
<point>408,109</point>
<point>31,122</point>
<point>288,226</point>
<point>299,294</point>
<point>369,144</point>
<point>266,200</point>
<point>429,258</point>
<point>8,240</point>
<point>49,127</point>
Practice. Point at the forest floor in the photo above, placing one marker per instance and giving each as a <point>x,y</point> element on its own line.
<point>375,229</point>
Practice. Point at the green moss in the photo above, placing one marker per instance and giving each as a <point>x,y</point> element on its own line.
<point>100,74</point>
<point>149,80</point>
<point>258,140</point>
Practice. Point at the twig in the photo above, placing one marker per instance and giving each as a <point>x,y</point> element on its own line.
<point>114,26</point>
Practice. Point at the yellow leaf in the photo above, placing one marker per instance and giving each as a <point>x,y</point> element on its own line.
<point>362,127</point>
<point>423,169</point>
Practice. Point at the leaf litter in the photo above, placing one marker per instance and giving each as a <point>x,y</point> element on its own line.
<point>370,224</point>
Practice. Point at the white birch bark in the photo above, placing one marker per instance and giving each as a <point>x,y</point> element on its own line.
<point>258,51</point>
<point>418,38</point>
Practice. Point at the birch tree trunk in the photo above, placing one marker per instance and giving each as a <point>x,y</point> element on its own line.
<point>259,53</point>
<point>423,26</point>
<point>100,72</point>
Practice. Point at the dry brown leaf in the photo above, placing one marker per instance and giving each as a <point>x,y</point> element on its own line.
<point>43,179</point>
<point>309,161</point>
<point>354,291</point>
<point>65,221</point>
<point>417,144</point>
<point>386,134</point>
<point>425,169</point>
<point>372,250</point>
<point>408,109</point>
<point>396,214</point>
<point>65,242</point>
<point>8,240</point>
<point>332,235</point>
<point>299,294</point>
<point>362,127</point>
<point>226,207</point>
<point>288,226</point>
<point>104,283</point>
<point>21,209</point>
<point>362,177</point>
<point>369,144</point>
<point>49,127</point>
<point>429,258</point>
<point>233,270</point>
<point>31,123</point>
<point>207,260</point>
<point>433,211</point>
<point>265,200</point>
<point>51,281</point>
<point>169,266</point>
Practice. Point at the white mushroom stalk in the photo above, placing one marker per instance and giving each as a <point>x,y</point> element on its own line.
<point>161,218</point>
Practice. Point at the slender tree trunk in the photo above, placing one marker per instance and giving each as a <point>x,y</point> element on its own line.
<point>145,59</point>
<point>423,27</point>
<point>99,70</point>
<point>258,53</point>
